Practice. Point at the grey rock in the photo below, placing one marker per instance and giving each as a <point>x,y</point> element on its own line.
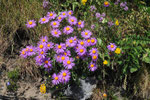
<point>82,92</point>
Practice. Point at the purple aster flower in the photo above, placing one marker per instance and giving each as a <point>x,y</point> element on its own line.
<point>103,14</point>
<point>42,53</point>
<point>63,58</point>
<point>93,41</point>
<point>65,76</point>
<point>64,14</point>
<point>51,15</point>
<point>70,13</point>
<point>92,26</point>
<point>106,4</point>
<point>88,42</point>
<point>72,20</point>
<point>93,51</point>
<point>44,39</point>
<point>86,34</point>
<point>47,63</point>
<point>94,57</point>
<point>60,18</point>
<point>43,20</point>
<point>97,15</point>
<point>45,3</point>
<point>82,43</point>
<point>117,2</point>
<point>110,24</point>
<point>81,50</point>
<point>68,29</point>
<point>55,24</point>
<point>122,4</point>
<point>92,66</point>
<point>56,32</point>
<point>57,58</point>
<point>31,51</point>
<point>101,19</point>
<point>67,53</point>
<point>126,8</point>
<point>23,53</point>
<point>39,60</point>
<point>68,63</point>
<point>49,45</point>
<point>70,42</point>
<point>111,47</point>
<point>59,48</point>
<point>8,83</point>
<point>92,8</point>
<point>56,79</point>
<point>81,24</point>
<point>31,24</point>
<point>41,47</point>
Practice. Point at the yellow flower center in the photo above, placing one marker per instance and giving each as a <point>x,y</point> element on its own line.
<point>64,74</point>
<point>55,32</point>
<point>27,49</point>
<point>64,13</point>
<point>79,23</point>
<point>67,28</point>
<point>70,41</point>
<point>65,53</point>
<point>68,62</point>
<point>43,19</point>
<point>59,46</point>
<point>58,56</point>
<point>75,39</point>
<point>77,57</point>
<point>30,22</point>
<point>59,17</point>
<point>94,57</point>
<point>70,13</point>
<point>82,43</point>
<point>51,14</point>
<point>46,62</point>
<point>48,45</point>
<point>86,33</point>
<point>41,46</point>
<point>81,50</point>
<point>43,40</point>
<point>92,65</point>
<point>112,46</point>
<point>42,52</point>
<point>72,20</point>
<point>92,40</point>
<point>56,78</point>
<point>23,52</point>
<point>54,23</point>
<point>94,51</point>
<point>106,3</point>
<point>88,40</point>
<point>31,50</point>
<point>62,58</point>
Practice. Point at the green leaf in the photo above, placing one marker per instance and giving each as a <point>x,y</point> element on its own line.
<point>99,41</point>
<point>133,69</point>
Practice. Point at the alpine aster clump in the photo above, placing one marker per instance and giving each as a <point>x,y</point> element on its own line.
<point>67,49</point>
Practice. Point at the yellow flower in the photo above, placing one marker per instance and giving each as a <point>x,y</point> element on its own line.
<point>104,95</point>
<point>105,62</point>
<point>117,23</point>
<point>118,51</point>
<point>83,2</point>
<point>43,88</point>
